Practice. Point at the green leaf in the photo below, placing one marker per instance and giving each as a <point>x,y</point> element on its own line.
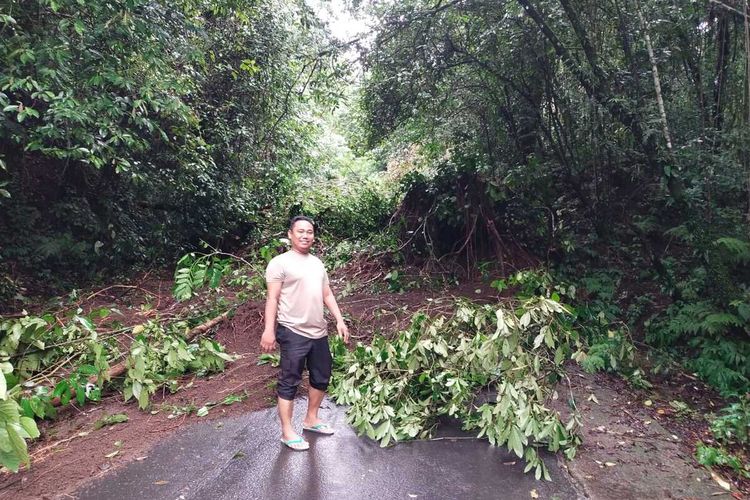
<point>117,418</point>
<point>5,445</point>
<point>143,400</point>
<point>136,389</point>
<point>9,411</point>
<point>88,370</point>
<point>10,461</point>
<point>86,323</point>
<point>81,394</point>
<point>29,425</point>
<point>272,359</point>
<point>515,441</point>
<point>18,445</point>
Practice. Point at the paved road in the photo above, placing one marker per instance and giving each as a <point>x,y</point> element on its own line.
<point>241,458</point>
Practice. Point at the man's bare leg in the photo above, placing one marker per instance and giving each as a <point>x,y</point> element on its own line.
<point>314,399</point>
<point>286,408</point>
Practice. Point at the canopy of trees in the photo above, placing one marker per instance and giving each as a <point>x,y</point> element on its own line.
<point>590,134</point>
<point>132,129</point>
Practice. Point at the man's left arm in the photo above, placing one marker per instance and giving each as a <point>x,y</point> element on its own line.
<point>330,301</point>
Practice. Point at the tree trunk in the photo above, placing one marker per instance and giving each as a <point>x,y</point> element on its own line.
<point>723,38</point>
<point>657,82</point>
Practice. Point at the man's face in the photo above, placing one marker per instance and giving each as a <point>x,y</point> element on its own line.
<point>302,236</point>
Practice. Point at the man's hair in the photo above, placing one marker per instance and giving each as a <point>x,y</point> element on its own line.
<point>298,218</point>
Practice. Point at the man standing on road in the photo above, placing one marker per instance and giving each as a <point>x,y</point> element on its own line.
<point>297,290</point>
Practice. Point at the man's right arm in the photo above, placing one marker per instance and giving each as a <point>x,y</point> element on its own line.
<point>268,340</point>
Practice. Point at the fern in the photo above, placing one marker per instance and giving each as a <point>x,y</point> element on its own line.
<point>717,323</point>
<point>682,320</point>
<point>695,320</point>
<point>739,250</point>
<point>188,280</point>
<point>613,353</point>
<point>682,233</point>
<point>718,374</point>
<point>732,426</point>
<point>715,339</point>
<point>593,362</point>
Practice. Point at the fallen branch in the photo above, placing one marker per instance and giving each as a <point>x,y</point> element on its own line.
<point>120,368</point>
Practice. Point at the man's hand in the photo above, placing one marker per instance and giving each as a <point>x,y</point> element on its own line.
<point>268,341</point>
<point>343,330</point>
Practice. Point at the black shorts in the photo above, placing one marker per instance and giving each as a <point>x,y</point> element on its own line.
<point>296,352</point>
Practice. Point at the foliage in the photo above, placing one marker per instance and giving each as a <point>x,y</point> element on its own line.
<point>31,344</point>
<point>269,359</point>
<point>731,430</point>
<point>441,366</point>
<point>608,353</point>
<point>48,361</point>
<point>15,429</point>
<point>131,130</point>
<point>710,319</point>
<point>732,426</point>
<point>716,334</point>
<point>394,281</point>
<point>106,420</point>
<point>159,354</point>
<point>194,271</point>
<point>592,314</point>
<point>355,210</point>
<point>534,129</point>
<point>28,346</point>
<point>711,456</point>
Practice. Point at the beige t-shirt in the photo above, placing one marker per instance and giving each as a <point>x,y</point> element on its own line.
<point>302,278</point>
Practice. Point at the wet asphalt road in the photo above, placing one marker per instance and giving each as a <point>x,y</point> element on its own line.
<point>242,458</point>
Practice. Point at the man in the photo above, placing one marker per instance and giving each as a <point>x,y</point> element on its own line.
<point>297,290</point>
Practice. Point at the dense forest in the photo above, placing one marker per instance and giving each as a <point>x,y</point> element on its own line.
<point>605,145</point>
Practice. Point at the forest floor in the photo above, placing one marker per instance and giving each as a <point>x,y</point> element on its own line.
<point>635,444</point>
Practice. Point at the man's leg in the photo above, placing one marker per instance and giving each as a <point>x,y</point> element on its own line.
<point>314,398</point>
<point>293,351</point>
<point>286,409</point>
<point>319,367</point>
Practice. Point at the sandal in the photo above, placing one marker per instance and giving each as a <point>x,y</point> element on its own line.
<point>296,444</point>
<point>320,428</point>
